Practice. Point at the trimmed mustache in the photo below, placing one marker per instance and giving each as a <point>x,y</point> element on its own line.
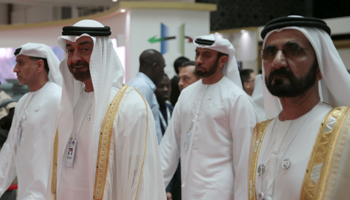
<point>281,71</point>
<point>80,63</point>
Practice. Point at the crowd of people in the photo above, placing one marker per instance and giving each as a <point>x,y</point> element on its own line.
<point>210,132</point>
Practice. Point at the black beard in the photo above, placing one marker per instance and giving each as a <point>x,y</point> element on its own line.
<point>296,87</point>
<point>206,73</point>
<point>81,76</point>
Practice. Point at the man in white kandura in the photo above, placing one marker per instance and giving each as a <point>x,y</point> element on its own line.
<point>26,152</point>
<point>106,146</point>
<point>211,127</point>
<point>303,152</point>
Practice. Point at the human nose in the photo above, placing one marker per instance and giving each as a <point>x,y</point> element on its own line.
<point>76,56</point>
<point>15,69</point>
<point>279,60</point>
<point>198,59</point>
<point>180,84</point>
<point>165,89</point>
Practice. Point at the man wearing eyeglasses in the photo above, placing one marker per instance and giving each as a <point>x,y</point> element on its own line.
<point>302,151</point>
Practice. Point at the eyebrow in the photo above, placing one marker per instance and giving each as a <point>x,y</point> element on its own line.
<point>205,51</point>
<point>84,42</point>
<point>81,43</point>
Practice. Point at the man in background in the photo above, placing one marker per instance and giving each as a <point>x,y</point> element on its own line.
<point>175,92</point>
<point>210,128</point>
<point>7,110</point>
<point>248,80</point>
<point>26,152</point>
<point>151,72</point>
<point>187,74</point>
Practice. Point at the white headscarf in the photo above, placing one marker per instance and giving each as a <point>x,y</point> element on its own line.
<point>223,46</point>
<point>43,51</point>
<point>258,97</point>
<point>107,76</point>
<point>335,85</point>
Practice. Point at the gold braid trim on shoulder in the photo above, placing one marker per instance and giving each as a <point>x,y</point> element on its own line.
<point>54,166</point>
<point>320,160</point>
<point>256,140</point>
<point>105,143</point>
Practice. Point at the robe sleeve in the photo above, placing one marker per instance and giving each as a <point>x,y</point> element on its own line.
<point>7,160</point>
<point>170,145</point>
<point>243,119</point>
<point>138,173</point>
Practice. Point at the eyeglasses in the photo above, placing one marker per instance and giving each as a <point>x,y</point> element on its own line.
<point>290,50</point>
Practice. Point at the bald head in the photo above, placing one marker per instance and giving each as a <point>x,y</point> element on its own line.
<point>152,65</point>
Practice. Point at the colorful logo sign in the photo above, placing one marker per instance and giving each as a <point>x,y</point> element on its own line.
<point>164,38</point>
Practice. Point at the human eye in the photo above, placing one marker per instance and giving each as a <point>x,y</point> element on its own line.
<point>293,50</point>
<point>197,54</point>
<point>268,53</point>
<point>207,55</point>
<point>70,51</point>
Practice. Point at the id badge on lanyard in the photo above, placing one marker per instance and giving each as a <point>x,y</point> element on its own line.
<point>71,147</point>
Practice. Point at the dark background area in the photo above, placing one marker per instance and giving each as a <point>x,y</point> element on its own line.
<point>232,14</point>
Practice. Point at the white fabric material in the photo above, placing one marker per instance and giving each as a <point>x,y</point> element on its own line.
<point>29,161</point>
<point>128,130</point>
<point>75,178</point>
<point>224,46</point>
<point>44,51</point>
<point>221,118</point>
<point>293,140</point>
<point>258,98</point>
<point>146,87</point>
<point>335,85</point>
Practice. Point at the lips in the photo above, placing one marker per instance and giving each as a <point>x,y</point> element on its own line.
<point>79,65</point>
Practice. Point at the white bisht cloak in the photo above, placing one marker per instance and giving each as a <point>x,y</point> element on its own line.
<point>130,173</point>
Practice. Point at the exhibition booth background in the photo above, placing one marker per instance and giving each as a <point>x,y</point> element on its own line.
<point>168,27</point>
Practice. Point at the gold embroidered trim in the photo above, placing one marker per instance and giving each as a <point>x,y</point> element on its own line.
<point>105,143</point>
<point>323,148</point>
<point>144,153</point>
<point>102,159</point>
<point>54,166</point>
<point>259,133</point>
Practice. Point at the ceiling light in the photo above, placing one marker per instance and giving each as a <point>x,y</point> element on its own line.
<point>114,0</point>
<point>122,10</point>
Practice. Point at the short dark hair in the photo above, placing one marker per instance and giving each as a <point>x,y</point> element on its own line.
<point>178,62</point>
<point>219,55</point>
<point>46,65</point>
<point>245,75</point>
<point>190,63</point>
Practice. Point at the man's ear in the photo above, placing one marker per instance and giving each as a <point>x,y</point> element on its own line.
<point>222,61</point>
<point>40,65</point>
<point>245,85</point>
<point>154,65</point>
<point>319,74</point>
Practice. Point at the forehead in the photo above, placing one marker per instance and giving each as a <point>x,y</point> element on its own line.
<point>22,57</point>
<point>80,41</point>
<point>166,79</point>
<point>289,35</point>
<point>252,75</point>
<point>187,70</point>
<point>205,50</point>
